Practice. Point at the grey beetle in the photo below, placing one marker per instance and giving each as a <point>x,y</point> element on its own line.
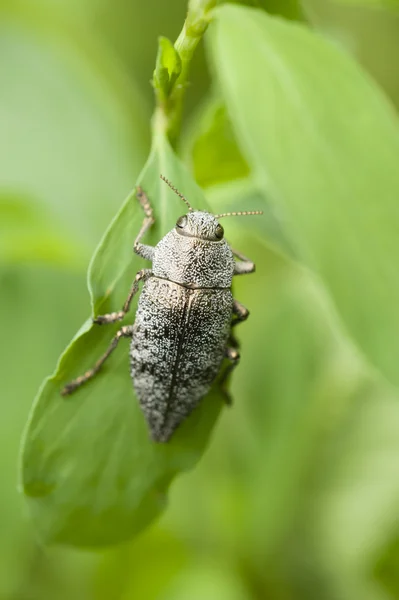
<point>184,319</point>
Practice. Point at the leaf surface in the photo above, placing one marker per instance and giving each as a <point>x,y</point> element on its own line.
<point>324,143</point>
<point>91,475</point>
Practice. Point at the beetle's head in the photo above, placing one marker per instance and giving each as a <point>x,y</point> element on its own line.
<point>201,224</point>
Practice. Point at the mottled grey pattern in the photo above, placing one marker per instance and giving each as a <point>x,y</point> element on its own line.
<point>200,224</point>
<point>178,344</point>
<point>195,261</point>
<point>182,322</point>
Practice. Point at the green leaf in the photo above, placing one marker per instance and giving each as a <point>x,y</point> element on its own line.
<point>212,152</point>
<point>90,473</point>
<point>167,68</point>
<point>371,36</point>
<point>323,142</point>
<point>211,148</point>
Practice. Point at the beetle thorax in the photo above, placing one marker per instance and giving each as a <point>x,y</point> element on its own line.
<point>194,261</point>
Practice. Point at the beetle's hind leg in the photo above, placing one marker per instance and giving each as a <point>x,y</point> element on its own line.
<point>142,275</point>
<point>126,331</point>
<point>240,314</point>
<point>142,249</point>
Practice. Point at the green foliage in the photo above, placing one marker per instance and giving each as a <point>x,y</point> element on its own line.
<point>30,234</point>
<point>371,36</point>
<point>297,494</point>
<point>336,178</point>
<point>212,147</point>
<point>198,15</point>
<point>119,489</point>
<point>167,68</point>
<point>387,4</point>
<point>92,143</point>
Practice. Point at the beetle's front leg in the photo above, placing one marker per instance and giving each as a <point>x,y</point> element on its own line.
<point>142,275</point>
<point>143,250</point>
<point>244,266</point>
<point>126,331</point>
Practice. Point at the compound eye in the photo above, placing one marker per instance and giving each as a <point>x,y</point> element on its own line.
<point>181,222</point>
<point>219,232</point>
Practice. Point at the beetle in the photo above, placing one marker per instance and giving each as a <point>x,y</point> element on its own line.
<point>183,324</point>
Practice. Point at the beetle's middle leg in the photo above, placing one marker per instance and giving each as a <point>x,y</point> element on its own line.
<point>126,331</point>
<point>142,249</point>
<point>120,314</point>
<point>240,313</point>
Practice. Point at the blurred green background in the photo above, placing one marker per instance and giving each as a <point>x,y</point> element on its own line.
<point>297,496</point>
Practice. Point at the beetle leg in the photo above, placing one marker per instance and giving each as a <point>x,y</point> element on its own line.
<point>143,250</point>
<point>119,315</point>
<point>240,312</point>
<point>126,331</point>
<point>233,342</point>
<point>234,357</point>
<point>244,266</point>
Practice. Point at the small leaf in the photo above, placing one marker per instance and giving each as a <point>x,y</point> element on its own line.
<point>211,147</point>
<point>90,473</point>
<point>324,143</point>
<point>167,68</point>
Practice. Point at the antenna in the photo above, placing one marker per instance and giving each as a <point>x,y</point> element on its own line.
<point>176,191</point>
<point>245,213</point>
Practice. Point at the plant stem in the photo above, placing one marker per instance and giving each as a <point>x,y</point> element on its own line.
<point>168,112</point>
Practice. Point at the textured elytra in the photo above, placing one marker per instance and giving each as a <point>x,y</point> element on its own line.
<point>178,345</point>
<point>182,322</point>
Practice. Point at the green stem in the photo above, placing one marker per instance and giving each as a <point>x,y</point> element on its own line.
<point>168,112</point>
